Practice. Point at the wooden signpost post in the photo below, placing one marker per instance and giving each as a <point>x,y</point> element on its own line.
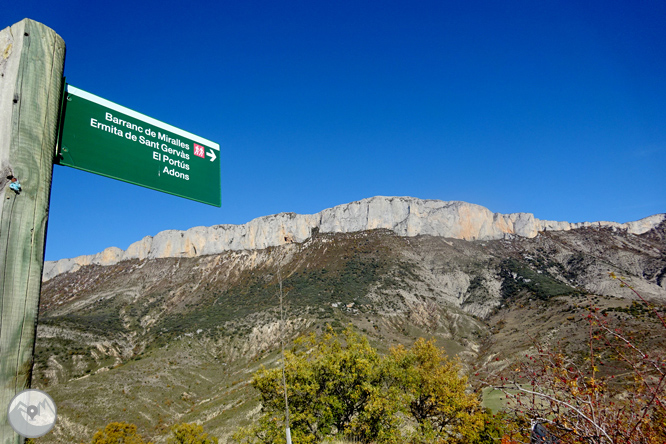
<point>31,67</point>
<point>98,136</point>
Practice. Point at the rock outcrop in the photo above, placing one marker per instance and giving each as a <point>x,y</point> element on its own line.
<point>406,216</point>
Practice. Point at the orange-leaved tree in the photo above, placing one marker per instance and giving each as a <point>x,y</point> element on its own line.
<point>616,394</point>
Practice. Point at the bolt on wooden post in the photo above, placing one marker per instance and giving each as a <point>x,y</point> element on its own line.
<point>31,67</point>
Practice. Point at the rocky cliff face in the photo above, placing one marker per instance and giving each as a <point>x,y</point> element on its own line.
<point>405,216</point>
<point>162,340</point>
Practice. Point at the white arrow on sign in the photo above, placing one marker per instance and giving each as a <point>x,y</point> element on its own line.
<point>212,155</point>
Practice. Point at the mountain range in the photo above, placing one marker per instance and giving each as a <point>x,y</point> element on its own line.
<point>171,329</point>
<point>405,216</point>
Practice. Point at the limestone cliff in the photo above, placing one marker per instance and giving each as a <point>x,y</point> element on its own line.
<point>406,216</point>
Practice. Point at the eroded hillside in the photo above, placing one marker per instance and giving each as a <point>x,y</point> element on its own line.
<point>159,341</point>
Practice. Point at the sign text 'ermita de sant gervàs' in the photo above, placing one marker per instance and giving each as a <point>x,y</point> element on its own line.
<point>105,138</point>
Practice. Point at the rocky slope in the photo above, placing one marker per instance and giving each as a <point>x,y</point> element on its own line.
<point>159,340</point>
<point>404,216</point>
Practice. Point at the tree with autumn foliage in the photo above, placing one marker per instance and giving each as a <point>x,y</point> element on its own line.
<point>186,433</point>
<point>617,394</point>
<point>118,433</point>
<point>339,386</point>
<point>435,394</point>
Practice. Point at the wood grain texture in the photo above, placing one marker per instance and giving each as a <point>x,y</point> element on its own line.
<point>31,67</point>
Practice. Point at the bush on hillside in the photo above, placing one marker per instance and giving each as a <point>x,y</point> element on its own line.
<point>190,434</point>
<point>118,433</point>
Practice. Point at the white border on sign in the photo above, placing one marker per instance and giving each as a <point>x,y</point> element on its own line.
<point>165,126</point>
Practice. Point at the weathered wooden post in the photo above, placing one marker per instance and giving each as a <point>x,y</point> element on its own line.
<point>31,67</point>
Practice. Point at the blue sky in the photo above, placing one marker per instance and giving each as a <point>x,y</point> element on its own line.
<point>552,108</point>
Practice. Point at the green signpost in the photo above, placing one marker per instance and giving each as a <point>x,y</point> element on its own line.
<point>102,137</point>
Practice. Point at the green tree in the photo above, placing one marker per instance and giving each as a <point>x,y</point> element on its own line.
<point>190,434</point>
<point>495,428</point>
<point>330,380</point>
<point>118,433</point>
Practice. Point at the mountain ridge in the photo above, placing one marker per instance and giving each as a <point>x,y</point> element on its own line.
<point>405,216</point>
<point>159,341</point>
